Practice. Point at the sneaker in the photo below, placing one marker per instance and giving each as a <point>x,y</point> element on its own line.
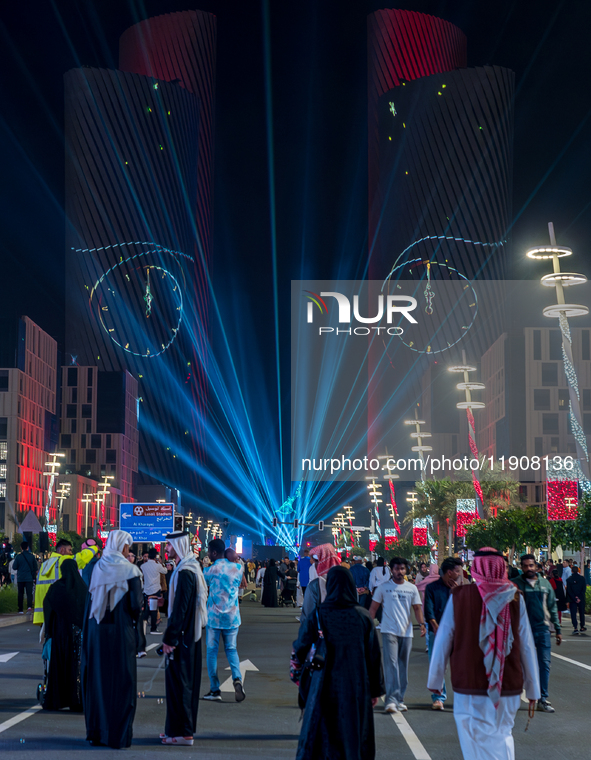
<point>575,633</point>
<point>156,633</point>
<point>437,705</point>
<point>391,707</point>
<point>238,690</point>
<point>213,696</point>
<point>402,707</point>
<point>545,707</point>
<point>30,609</point>
<point>583,628</point>
<point>21,613</point>
<point>139,655</point>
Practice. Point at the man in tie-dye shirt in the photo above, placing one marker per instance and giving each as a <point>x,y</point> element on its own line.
<point>223,618</point>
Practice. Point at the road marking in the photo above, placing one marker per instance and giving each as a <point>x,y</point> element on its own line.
<point>152,646</point>
<point>6,657</point>
<point>18,718</point>
<point>574,662</point>
<point>245,666</point>
<point>412,739</point>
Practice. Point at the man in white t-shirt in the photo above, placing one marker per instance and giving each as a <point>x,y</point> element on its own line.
<point>396,597</point>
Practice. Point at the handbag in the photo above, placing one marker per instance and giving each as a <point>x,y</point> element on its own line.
<point>315,661</point>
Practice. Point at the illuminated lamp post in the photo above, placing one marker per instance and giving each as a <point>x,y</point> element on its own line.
<point>350,517</point>
<point>468,404</point>
<point>87,501</point>
<point>63,491</point>
<point>51,474</point>
<point>101,498</point>
<point>375,491</point>
<point>562,311</point>
<point>420,448</point>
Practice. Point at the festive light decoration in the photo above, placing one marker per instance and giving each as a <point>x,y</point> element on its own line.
<point>466,513</point>
<point>419,536</point>
<point>394,508</point>
<point>562,311</point>
<point>468,405</point>
<point>390,537</point>
<point>563,499</point>
<point>373,540</point>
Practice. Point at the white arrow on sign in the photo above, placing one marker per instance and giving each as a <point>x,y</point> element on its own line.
<point>6,657</point>
<point>245,666</point>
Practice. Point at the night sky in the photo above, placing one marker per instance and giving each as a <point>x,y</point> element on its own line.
<point>319,98</point>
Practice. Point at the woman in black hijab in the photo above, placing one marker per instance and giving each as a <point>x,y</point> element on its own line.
<point>270,578</point>
<point>338,718</point>
<point>63,611</point>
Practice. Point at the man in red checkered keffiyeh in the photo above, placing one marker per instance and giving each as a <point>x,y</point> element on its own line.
<point>489,571</point>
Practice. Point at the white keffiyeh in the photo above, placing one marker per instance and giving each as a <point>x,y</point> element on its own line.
<point>108,584</point>
<point>183,550</point>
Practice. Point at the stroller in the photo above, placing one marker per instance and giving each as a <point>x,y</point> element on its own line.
<point>289,592</point>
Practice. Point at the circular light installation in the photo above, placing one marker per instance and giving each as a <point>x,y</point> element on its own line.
<point>421,448</point>
<point>470,405</point>
<point>568,309</point>
<point>462,368</point>
<point>420,435</point>
<point>548,252</point>
<point>566,279</point>
<point>415,422</point>
<point>471,386</point>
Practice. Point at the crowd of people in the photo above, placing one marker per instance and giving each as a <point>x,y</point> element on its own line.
<point>492,622</point>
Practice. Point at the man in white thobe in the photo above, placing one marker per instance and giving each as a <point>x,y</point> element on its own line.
<point>492,656</point>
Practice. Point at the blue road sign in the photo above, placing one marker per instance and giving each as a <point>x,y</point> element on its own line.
<point>147,522</point>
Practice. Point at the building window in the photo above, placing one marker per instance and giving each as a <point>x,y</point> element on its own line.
<point>550,424</point>
<point>111,456</point>
<point>538,494</point>
<point>539,447</point>
<point>4,427</point>
<point>71,410</point>
<point>90,456</point>
<point>83,441</point>
<point>542,400</point>
<point>90,375</point>
<point>72,456</point>
<point>3,379</point>
<point>72,376</point>
<point>73,426</point>
<point>537,344</point>
<point>108,441</point>
<point>86,411</point>
<point>95,441</point>
<point>549,374</point>
<point>66,440</point>
<point>585,345</point>
<point>113,468</point>
<point>89,395</point>
<point>563,400</point>
<point>88,426</point>
<point>2,490</point>
<point>3,470</point>
<point>74,395</point>
<point>587,424</point>
<point>3,451</point>
<point>555,345</point>
<point>587,399</point>
<point>554,445</point>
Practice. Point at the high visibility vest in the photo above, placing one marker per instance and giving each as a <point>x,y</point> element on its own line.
<point>50,572</point>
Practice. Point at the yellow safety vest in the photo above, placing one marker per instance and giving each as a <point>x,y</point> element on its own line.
<point>50,571</point>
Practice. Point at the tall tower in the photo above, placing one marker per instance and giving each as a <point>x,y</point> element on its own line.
<point>440,176</point>
<point>138,203</point>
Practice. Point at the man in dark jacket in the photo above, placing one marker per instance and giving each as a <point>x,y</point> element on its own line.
<point>26,567</point>
<point>436,596</point>
<point>575,591</point>
<point>540,603</point>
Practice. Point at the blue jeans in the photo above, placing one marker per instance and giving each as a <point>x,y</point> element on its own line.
<point>543,649</point>
<point>431,643</point>
<point>212,644</point>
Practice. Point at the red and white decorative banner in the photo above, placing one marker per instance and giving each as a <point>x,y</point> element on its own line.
<point>563,499</point>
<point>419,536</point>
<point>394,509</point>
<point>390,537</point>
<point>466,513</point>
<point>373,540</point>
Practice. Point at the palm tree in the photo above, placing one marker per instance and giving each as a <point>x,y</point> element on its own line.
<point>437,499</point>
<point>499,488</point>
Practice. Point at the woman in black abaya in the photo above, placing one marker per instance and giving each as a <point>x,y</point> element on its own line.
<point>338,718</point>
<point>63,611</point>
<point>270,579</point>
<point>109,672</point>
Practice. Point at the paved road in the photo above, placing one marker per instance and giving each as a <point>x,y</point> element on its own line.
<point>267,725</point>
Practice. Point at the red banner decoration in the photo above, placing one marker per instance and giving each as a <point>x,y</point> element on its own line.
<point>373,540</point>
<point>419,536</point>
<point>466,514</point>
<point>390,537</point>
<point>563,499</point>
